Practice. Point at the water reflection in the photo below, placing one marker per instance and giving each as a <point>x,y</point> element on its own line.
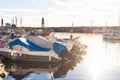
<point>37,71</point>
<point>102,61</point>
<point>111,41</point>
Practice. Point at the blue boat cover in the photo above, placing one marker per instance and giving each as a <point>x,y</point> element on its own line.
<point>28,44</point>
<point>58,48</point>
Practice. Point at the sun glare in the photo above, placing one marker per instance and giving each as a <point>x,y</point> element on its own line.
<point>96,68</point>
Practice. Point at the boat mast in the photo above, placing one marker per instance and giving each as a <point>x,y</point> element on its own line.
<point>71,36</point>
<point>20,21</point>
<point>16,21</point>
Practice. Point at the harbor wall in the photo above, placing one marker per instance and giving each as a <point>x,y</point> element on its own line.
<point>77,29</point>
<point>84,29</point>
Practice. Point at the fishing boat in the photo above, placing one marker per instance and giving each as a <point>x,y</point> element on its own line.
<point>39,48</point>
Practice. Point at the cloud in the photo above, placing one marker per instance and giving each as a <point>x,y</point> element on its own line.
<point>1,12</point>
<point>33,1</point>
<point>55,12</point>
<point>89,3</point>
<point>67,2</point>
<point>20,10</point>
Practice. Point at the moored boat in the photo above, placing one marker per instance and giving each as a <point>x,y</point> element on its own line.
<point>112,34</point>
<point>38,48</point>
<point>26,49</point>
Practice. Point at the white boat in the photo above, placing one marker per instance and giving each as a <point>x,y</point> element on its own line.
<point>38,48</point>
<point>32,48</point>
<point>112,34</point>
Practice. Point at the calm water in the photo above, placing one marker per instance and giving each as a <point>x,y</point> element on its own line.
<point>102,62</point>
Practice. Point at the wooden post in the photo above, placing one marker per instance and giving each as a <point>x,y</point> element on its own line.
<point>50,56</point>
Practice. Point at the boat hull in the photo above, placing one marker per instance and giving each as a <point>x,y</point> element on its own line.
<point>26,57</point>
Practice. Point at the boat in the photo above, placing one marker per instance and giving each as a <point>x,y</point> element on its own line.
<point>33,48</point>
<point>112,34</point>
<point>39,48</point>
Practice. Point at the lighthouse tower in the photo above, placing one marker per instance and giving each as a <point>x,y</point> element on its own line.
<point>1,22</point>
<point>43,23</point>
<point>45,31</point>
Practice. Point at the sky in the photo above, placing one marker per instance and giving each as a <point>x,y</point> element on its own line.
<point>60,13</point>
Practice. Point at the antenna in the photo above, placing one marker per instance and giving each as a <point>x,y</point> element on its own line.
<point>12,21</point>
<point>16,21</point>
<point>20,21</point>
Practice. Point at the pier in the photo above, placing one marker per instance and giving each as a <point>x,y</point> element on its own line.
<point>77,29</point>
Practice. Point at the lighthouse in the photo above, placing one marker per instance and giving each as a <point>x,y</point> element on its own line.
<point>43,23</point>
<point>1,22</point>
<point>45,31</point>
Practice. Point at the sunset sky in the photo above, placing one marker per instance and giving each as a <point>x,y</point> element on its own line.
<point>61,12</point>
